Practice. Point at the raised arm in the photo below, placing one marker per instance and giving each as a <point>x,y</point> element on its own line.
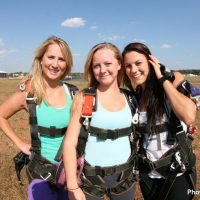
<point>183,107</point>
<point>12,105</point>
<point>69,149</point>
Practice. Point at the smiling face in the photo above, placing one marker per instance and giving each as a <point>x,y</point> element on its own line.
<point>137,67</point>
<point>105,66</point>
<point>53,63</point>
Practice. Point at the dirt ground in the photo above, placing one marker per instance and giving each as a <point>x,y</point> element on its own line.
<point>9,186</point>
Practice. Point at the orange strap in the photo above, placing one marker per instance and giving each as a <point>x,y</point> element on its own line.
<point>87,105</point>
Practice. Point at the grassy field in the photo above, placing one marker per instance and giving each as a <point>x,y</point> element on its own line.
<point>9,186</point>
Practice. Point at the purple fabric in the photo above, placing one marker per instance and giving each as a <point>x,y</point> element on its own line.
<point>80,165</point>
<point>42,190</point>
<point>194,90</point>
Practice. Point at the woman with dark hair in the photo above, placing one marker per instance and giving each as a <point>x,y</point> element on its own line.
<point>166,160</point>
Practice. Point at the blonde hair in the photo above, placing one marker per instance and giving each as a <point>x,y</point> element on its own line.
<point>35,77</point>
<point>88,74</point>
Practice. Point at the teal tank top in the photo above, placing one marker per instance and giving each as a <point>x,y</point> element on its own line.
<point>109,152</point>
<point>49,116</point>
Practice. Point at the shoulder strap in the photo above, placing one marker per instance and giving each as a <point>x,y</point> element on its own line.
<point>35,141</point>
<point>72,89</point>
<point>191,91</point>
<point>131,99</point>
<point>89,105</point>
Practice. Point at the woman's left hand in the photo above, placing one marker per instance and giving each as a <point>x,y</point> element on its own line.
<point>156,65</point>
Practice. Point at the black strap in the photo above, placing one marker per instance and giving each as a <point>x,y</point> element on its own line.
<point>130,99</point>
<point>162,162</point>
<point>35,141</point>
<point>142,128</point>
<point>184,88</point>
<point>59,152</point>
<point>51,131</point>
<point>72,88</point>
<point>104,134</point>
<point>107,171</point>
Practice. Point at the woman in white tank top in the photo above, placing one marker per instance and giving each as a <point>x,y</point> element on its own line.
<point>154,89</point>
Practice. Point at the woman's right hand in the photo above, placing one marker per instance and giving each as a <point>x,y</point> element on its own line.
<point>25,148</point>
<point>76,194</point>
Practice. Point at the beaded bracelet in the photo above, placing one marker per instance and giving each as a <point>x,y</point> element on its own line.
<point>72,188</point>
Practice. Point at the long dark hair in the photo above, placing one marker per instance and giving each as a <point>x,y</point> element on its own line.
<point>153,94</point>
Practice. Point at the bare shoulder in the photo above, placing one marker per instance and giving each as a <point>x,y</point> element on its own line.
<point>178,78</point>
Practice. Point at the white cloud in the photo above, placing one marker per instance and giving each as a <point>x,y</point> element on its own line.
<point>166,46</point>
<point>73,22</point>
<point>139,40</point>
<point>114,37</point>
<point>109,38</point>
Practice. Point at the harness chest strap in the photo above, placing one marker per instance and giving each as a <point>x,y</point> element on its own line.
<point>159,128</point>
<point>89,105</point>
<point>52,131</point>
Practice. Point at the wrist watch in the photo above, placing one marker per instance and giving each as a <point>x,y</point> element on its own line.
<point>167,75</point>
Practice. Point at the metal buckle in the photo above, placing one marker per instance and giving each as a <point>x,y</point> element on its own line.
<point>46,177</point>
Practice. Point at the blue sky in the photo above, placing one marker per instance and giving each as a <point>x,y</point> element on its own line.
<point>171,29</point>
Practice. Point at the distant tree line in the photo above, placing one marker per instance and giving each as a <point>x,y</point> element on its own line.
<point>80,75</point>
<point>189,71</point>
<point>77,75</point>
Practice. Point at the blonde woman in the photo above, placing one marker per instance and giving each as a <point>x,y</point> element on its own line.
<point>103,136</point>
<point>48,101</point>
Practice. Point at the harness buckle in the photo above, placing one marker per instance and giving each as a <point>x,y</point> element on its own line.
<point>177,163</point>
<point>152,165</point>
<point>109,171</point>
<point>103,135</point>
<point>86,121</point>
<point>115,134</point>
<point>105,171</point>
<point>45,177</point>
